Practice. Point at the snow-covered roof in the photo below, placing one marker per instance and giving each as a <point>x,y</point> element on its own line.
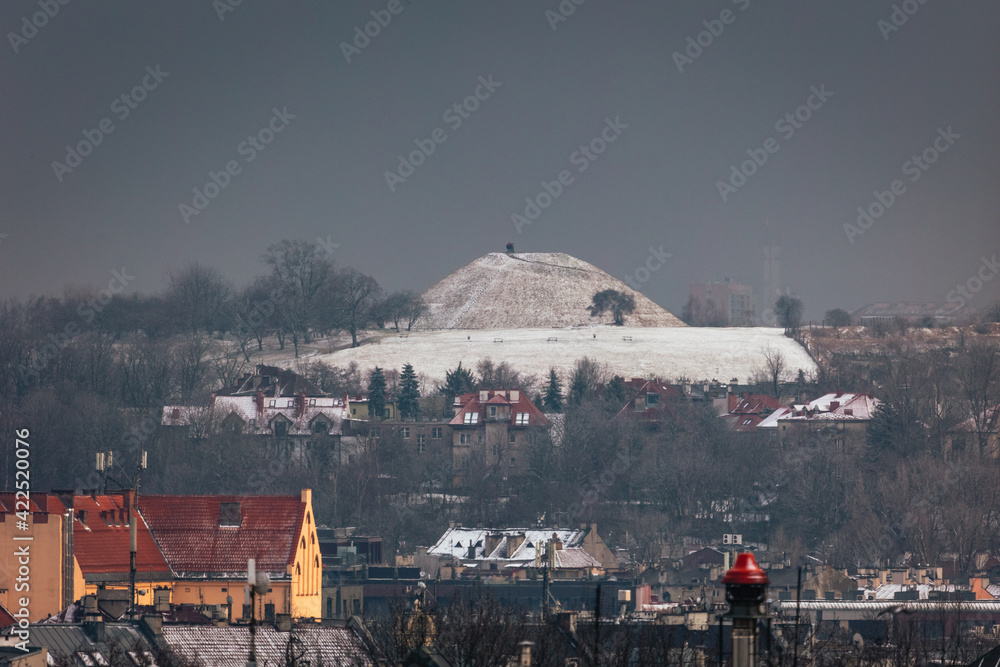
<point>513,546</point>
<point>771,421</point>
<point>259,419</point>
<point>834,407</point>
<point>888,591</point>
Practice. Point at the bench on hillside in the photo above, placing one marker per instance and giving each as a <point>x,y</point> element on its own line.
<point>627,339</point>
<point>552,340</point>
<point>498,340</point>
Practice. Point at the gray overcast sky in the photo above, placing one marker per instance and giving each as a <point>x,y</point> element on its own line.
<point>323,175</point>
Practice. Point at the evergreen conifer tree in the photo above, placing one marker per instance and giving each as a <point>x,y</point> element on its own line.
<point>409,392</point>
<point>376,394</point>
<point>553,400</point>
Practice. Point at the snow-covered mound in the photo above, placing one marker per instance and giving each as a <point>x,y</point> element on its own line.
<point>529,290</point>
<point>669,353</point>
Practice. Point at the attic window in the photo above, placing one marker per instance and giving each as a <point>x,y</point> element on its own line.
<point>521,419</point>
<point>652,398</point>
<point>471,417</point>
<point>230,515</point>
<point>849,411</point>
<point>312,402</point>
<point>270,404</point>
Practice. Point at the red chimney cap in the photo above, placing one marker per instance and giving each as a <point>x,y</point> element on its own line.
<point>745,572</point>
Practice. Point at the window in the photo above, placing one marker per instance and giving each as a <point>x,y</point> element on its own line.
<point>479,438</point>
<point>421,438</point>
<point>270,404</point>
<point>471,417</point>
<point>354,411</point>
<point>513,437</point>
<point>436,433</point>
<point>388,414</point>
<point>521,419</point>
<point>404,433</point>
<point>312,402</point>
<point>319,427</point>
<point>281,428</point>
<point>512,462</point>
<point>652,399</point>
<point>496,450</point>
<point>493,411</point>
<point>421,446</point>
<point>465,438</point>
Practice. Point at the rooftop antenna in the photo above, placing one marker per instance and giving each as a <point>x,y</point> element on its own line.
<point>132,542</point>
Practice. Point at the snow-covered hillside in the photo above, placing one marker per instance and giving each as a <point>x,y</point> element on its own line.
<point>666,352</point>
<point>529,290</point>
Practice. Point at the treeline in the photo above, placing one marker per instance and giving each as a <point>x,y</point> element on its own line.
<point>93,368</point>
<point>300,295</point>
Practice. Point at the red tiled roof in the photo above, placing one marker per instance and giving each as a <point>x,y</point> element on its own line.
<point>754,404</point>
<point>6,618</point>
<point>471,403</point>
<point>101,544</point>
<point>36,504</point>
<point>188,532</point>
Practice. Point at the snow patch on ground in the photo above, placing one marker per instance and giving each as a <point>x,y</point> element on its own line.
<point>668,353</point>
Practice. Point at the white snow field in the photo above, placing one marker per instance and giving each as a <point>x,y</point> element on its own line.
<point>669,353</point>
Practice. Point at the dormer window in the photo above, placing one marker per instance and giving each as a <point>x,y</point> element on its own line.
<point>471,417</point>
<point>521,419</point>
<point>270,403</point>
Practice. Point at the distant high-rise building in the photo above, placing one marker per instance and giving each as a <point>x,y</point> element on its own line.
<point>733,300</point>
<point>772,273</point>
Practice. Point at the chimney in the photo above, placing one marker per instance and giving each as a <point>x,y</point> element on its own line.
<point>161,600</point>
<point>153,625</point>
<point>567,621</point>
<point>515,396</point>
<point>525,657</point>
<point>484,396</point>
<point>300,401</point>
<point>746,592</point>
<point>260,403</point>
<point>492,542</point>
<point>283,622</point>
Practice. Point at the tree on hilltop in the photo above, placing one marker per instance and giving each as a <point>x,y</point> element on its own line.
<point>619,304</point>
<point>838,317</point>
<point>788,309</point>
